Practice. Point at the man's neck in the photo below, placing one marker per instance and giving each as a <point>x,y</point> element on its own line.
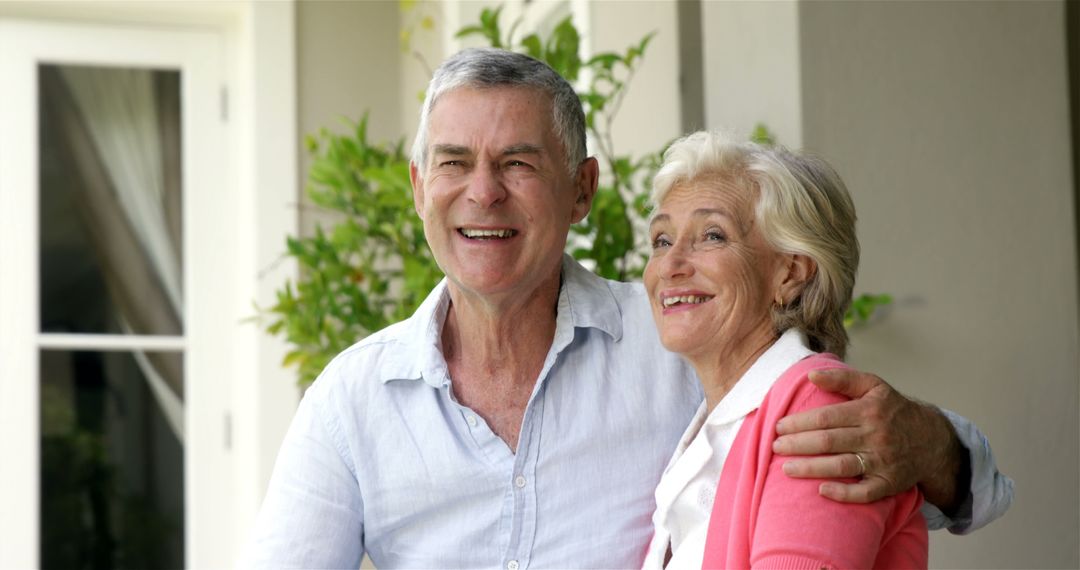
<point>495,354</point>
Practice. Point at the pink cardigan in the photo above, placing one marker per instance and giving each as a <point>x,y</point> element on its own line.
<point>764,519</point>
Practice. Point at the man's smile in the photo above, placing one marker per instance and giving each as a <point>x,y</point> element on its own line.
<point>487,234</point>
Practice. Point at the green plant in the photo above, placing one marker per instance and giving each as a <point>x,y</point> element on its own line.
<point>371,269</point>
<point>863,307</point>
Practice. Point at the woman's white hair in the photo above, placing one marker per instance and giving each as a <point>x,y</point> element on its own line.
<point>802,207</point>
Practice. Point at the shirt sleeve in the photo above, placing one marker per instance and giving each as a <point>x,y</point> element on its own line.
<point>798,528</point>
<point>991,492</point>
<point>312,516</point>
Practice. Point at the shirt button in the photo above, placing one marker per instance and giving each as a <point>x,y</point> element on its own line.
<point>520,482</point>
<point>512,565</point>
<point>471,420</point>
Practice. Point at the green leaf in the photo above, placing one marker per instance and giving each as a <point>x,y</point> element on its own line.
<point>605,60</point>
<point>294,357</point>
<point>562,50</point>
<point>533,46</point>
<point>489,22</point>
<point>470,31</point>
<point>762,135</point>
<point>863,308</point>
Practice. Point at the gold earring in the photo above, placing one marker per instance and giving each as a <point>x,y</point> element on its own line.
<point>780,301</point>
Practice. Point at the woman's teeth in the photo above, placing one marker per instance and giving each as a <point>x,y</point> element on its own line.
<point>685,299</point>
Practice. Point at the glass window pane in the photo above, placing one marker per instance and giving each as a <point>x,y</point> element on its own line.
<point>110,195</point>
<point>112,463</point>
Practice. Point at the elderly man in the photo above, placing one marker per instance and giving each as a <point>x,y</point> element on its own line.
<point>523,415</point>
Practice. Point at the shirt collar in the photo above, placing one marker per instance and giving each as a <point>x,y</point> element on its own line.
<point>748,393</point>
<point>590,300</point>
<point>586,298</point>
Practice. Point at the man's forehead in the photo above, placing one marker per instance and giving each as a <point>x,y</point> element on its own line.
<point>495,92</point>
<point>450,127</point>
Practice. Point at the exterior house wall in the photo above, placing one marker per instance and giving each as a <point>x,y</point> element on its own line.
<point>347,64</point>
<point>950,124</point>
<point>752,69</point>
<point>650,114</point>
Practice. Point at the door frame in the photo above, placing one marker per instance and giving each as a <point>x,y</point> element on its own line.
<point>238,206</point>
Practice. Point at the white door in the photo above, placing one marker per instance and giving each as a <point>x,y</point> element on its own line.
<point>115,258</point>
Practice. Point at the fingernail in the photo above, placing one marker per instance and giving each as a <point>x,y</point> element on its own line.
<point>778,446</point>
<point>780,425</point>
<point>789,468</point>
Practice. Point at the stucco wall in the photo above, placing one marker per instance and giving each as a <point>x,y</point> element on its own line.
<point>348,62</point>
<point>752,68</point>
<point>950,123</point>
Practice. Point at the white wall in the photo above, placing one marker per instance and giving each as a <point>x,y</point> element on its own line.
<point>950,123</point>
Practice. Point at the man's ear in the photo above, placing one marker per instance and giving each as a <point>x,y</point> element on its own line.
<point>794,275</point>
<point>588,176</point>
<point>417,189</point>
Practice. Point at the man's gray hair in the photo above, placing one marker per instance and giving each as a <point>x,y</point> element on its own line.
<point>802,207</point>
<point>483,68</point>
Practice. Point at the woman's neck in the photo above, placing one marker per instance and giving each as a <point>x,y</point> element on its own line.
<point>721,369</point>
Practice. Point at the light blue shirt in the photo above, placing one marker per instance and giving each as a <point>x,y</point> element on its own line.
<point>381,459</point>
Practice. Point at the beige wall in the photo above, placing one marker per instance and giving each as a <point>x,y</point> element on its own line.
<point>348,62</point>
<point>752,68</point>
<point>950,123</point>
<point>649,117</point>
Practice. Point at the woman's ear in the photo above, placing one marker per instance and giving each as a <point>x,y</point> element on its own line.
<point>795,275</point>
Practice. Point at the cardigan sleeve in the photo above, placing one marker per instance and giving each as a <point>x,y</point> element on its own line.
<point>798,528</point>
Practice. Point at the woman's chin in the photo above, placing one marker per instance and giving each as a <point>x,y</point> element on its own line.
<point>682,344</point>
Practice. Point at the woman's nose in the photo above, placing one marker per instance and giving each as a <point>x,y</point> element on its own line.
<point>485,188</point>
<point>676,263</point>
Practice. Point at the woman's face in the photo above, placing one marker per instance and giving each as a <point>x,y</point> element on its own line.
<point>712,277</point>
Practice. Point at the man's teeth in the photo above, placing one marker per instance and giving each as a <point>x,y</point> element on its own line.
<point>685,299</point>
<point>469,233</point>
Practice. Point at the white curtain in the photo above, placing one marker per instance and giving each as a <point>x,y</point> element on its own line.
<point>119,110</point>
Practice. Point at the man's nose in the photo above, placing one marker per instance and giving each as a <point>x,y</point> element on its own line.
<point>486,188</point>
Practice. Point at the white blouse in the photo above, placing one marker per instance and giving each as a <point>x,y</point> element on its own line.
<point>684,496</point>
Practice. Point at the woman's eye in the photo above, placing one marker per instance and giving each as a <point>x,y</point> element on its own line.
<point>660,241</point>
<point>715,236</point>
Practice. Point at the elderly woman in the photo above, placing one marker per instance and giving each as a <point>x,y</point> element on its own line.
<point>753,263</point>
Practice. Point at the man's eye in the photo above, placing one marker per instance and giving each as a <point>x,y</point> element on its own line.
<point>451,163</point>
<point>517,164</point>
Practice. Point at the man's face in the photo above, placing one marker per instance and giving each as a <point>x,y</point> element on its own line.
<point>495,196</point>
